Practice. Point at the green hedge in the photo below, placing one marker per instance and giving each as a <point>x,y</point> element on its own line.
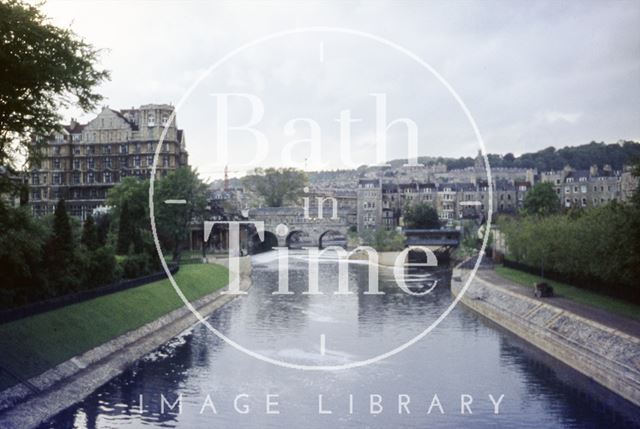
<point>594,249</point>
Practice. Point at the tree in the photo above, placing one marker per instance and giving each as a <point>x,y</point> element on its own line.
<point>384,240</point>
<point>126,230</point>
<point>44,69</point>
<point>172,220</point>
<point>89,234</point>
<point>422,216</point>
<point>277,186</point>
<point>103,223</point>
<point>135,193</point>
<point>59,254</point>
<point>541,200</point>
<point>21,252</point>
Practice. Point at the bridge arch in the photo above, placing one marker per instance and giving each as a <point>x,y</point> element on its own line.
<point>332,237</point>
<point>257,246</point>
<point>297,238</point>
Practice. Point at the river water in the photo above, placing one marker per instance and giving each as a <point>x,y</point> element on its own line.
<point>452,378</point>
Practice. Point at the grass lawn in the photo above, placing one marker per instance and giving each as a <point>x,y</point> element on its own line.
<point>576,294</point>
<point>34,344</point>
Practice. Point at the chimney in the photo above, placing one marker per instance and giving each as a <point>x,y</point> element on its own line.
<point>593,170</point>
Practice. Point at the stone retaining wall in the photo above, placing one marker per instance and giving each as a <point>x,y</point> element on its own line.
<point>67,383</point>
<point>606,355</point>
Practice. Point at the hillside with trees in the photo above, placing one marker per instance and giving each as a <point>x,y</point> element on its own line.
<point>579,157</point>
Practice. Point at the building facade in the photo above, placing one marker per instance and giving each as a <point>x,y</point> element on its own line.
<point>590,188</point>
<point>83,161</point>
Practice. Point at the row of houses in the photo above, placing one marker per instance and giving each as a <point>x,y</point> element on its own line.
<point>381,201</point>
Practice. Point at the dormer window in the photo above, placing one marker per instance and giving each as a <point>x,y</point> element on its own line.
<point>151,120</point>
<point>165,119</point>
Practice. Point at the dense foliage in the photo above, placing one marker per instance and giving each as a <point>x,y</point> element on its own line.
<point>276,186</point>
<point>595,249</point>
<point>383,240</point>
<point>421,216</point>
<point>46,257</point>
<point>541,200</point>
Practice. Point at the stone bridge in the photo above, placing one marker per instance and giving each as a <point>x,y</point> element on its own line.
<point>288,227</point>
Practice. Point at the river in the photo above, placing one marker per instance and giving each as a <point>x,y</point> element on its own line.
<point>459,375</point>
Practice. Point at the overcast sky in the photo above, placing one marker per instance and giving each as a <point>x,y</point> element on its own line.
<point>532,74</point>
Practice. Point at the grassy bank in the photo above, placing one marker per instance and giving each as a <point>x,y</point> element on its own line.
<point>576,294</point>
<point>32,345</point>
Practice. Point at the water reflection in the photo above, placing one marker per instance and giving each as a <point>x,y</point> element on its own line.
<point>464,355</point>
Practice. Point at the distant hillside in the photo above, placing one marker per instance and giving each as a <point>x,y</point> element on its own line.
<point>579,157</point>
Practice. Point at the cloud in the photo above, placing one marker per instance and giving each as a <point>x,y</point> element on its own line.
<point>553,117</point>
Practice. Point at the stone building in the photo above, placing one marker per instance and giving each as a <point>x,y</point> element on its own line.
<point>83,161</point>
<point>589,188</point>
<point>381,203</point>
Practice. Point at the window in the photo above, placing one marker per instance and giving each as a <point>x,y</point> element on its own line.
<point>165,161</point>
<point>56,178</point>
<point>107,162</point>
<point>151,120</point>
<point>106,149</point>
<point>76,178</point>
<point>165,118</point>
<point>76,164</point>
<point>149,160</point>
<point>107,177</point>
<point>136,161</point>
<point>56,150</point>
<point>137,147</point>
<point>124,149</point>
<point>90,177</point>
<point>91,163</point>
<point>56,163</point>
<point>35,179</point>
<point>583,189</point>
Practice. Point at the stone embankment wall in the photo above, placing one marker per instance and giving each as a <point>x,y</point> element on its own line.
<point>67,383</point>
<point>606,355</point>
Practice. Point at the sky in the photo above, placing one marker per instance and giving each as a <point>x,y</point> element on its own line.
<point>530,74</point>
